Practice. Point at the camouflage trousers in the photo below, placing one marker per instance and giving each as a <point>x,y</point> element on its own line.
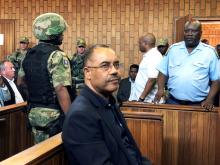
<point>41,118</point>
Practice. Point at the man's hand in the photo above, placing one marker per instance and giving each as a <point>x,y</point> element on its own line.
<point>207,104</point>
<point>158,96</point>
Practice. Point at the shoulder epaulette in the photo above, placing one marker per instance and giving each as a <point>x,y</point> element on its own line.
<point>173,45</point>
<point>211,47</point>
<point>216,54</point>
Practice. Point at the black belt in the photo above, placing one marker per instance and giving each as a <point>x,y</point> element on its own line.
<point>183,102</point>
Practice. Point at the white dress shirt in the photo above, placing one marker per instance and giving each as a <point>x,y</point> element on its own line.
<point>18,97</point>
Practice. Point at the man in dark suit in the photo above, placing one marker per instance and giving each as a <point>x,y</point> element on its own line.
<point>94,131</point>
<point>7,72</point>
<point>125,86</point>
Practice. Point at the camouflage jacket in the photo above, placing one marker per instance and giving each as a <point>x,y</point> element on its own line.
<point>77,68</point>
<point>17,58</point>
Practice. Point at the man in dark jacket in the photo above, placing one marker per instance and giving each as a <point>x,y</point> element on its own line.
<point>94,131</point>
<point>126,84</point>
<point>7,72</point>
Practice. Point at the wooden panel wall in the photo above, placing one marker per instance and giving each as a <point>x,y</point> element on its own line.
<point>211,32</point>
<point>118,23</point>
<point>7,27</point>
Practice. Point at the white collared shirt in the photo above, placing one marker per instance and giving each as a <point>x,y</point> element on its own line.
<point>132,86</point>
<point>18,97</point>
<point>147,69</point>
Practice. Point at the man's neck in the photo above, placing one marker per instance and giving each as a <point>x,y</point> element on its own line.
<point>8,79</point>
<point>190,50</point>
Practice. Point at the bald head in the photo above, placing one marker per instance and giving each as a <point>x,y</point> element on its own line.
<point>195,23</point>
<point>147,42</point>
<point>192,33</point>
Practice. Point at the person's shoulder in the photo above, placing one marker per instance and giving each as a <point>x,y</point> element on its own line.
<point>177,44</point>
<point>210,49</point>
<point>81,106</point>
<point>206,46</point>
<point>14,53</point>
<point>57,56</point>
<point>174,47</point>
<point>124,80</point>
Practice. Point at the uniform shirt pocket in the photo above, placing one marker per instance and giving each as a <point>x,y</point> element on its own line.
<point>174,69</point>
<point>201,69</point>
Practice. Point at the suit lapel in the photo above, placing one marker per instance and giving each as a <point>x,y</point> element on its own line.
<point>129,87</point>
<point>107,120</point>
<point>12,101</point>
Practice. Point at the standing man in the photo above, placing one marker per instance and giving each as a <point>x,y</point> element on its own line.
<point>77,63</point>
<point>7,72</point>
<point>94,130</point>
<point>217,97</point>
<point>145,86</point>
<point>189,67</point>
<point>48,77</point>
<point>18,56</point>
<point>126,84</point>
<point>162,45</point>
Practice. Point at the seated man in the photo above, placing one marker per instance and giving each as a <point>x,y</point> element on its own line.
<point>126,84</point>
<point>7,72</point>
<point>4,92</point>
<point>94,130</point>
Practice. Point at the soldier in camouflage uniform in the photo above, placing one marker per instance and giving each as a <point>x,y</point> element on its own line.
<point>18,56</point>
<point>48,76</point>
<point>77,64</point>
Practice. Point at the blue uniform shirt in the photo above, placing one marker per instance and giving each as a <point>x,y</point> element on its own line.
<point>189,73</point>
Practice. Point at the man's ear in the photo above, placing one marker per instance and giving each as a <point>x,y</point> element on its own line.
<point>2,73</point>
<point>87,73</point>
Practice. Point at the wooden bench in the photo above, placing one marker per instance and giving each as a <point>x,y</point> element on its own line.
<point>147,130</point>
<point>51,152</point>
<point>14,136</point>
<point>190,134</point>
<point>48,152</point>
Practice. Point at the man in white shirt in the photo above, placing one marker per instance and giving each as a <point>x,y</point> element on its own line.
<point>7,72</point>
<point>145,86</point>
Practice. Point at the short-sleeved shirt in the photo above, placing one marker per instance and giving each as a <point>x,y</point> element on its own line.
<point>189,74</point>
<point>219,69</point>
<point>147,69</point>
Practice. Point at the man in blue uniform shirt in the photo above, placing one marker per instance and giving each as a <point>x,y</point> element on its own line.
<point>188,68</point>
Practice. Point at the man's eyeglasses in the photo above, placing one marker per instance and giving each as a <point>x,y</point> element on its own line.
<point>106,66</point>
